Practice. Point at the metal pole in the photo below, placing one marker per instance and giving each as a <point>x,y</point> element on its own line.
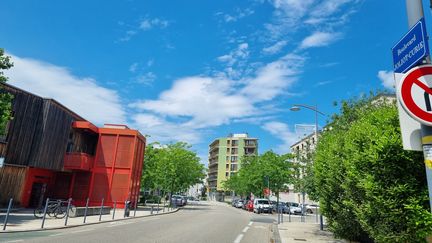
<point>157,208</point>
<point>85,211</point>
<point>316,213</point>
<point>67,211</point>
<point>136,205</point>
<point>151,212</point>
<point>414,13</point>
<point>100,212</point>
<point>303,209</point>
<point>45,211</point>
<point>7,213</point>
<point>115,206</point>
<point>125,208</point>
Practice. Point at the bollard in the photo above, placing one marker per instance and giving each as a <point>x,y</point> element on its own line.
<point>7,214</point>
<point>157,208</point>
<point>100,212</point>
<point>135,209</point>
<point>289,215</point>
<point>67,211</point>
<point>151,212</point>
<point>45,211</point>
<point>321,222</point>
<point>163,209</point>
<point>85,211</point>
<point>115,206</point>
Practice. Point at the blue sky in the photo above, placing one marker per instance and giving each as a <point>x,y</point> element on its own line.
<point>197,70</point>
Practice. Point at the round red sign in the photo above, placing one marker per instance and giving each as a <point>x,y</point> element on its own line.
<point>414,93</point>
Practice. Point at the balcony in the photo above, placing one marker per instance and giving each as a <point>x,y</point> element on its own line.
<point>78,161</point>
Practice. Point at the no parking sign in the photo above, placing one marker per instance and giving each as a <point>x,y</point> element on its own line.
<point>414,93</point>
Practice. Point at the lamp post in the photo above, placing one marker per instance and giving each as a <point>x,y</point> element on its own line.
<point>297,107</point>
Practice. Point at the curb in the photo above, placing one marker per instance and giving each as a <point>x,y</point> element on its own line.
<point>79,225</point>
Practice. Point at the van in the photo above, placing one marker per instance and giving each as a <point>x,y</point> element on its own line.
<point>262,205</point>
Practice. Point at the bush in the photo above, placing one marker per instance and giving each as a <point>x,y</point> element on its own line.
<point>367,184</point>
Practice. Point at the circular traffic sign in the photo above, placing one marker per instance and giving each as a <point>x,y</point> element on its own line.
<point>415,93</point>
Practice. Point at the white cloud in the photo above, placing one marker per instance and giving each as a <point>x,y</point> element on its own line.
<point>203,101</point>
<point>82,95</point>
<point>274,78</point>
<point>239,15</point>
<point>293,8</point>
<point>328,7</point>
<point>318,39</point>
<point>146,78</point>
<point>164,131</point>
<point>129,35</point>
<point>281,131</point>
<point>234,56</point>
<point>275,48</point>
<point>387,79</point>
<point>149,24</point>
<point>133,67</point>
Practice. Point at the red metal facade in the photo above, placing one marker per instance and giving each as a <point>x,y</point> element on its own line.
<point>113,173</point>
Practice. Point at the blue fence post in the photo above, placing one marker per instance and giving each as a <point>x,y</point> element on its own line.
<point>67,211</point>
<point>100,212</point>
<point>85,211</point>
<point>7,213</point>
<point>45,212</point>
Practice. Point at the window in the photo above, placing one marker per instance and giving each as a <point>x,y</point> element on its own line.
<point>234,167</point>
<point>234,151</point>
<point>234,142</point>
<point>227,166</point>
<point>228,142</point>
<point>233,158</point>
<point>228,150</point>
<point>249,142</point>
<point>226,174</point>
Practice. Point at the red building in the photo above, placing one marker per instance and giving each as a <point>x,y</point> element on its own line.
<point>49,151</point>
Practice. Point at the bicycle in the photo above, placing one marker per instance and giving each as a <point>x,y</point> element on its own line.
<point>55,209</point>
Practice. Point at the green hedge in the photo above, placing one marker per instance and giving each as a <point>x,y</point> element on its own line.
<point>368,186</point>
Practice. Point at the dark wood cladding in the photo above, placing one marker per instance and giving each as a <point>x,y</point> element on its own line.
<point>11,183</point>
<point>82,142</point>
<point>39,132</point>
<point>52,137</point>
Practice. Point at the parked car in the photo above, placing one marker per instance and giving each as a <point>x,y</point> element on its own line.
<point>234,202</point>
<point>262,205</point>
<point>311,208</point>
<point>178,200</point>
<point>294,208</point>
<point>239,203</point>
<point>282,206</point>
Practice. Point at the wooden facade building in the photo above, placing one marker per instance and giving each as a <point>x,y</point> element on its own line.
<point>50,151</point>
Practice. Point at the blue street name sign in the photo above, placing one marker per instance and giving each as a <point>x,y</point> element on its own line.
<point>412,48</point>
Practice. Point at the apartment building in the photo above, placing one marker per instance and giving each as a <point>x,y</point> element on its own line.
<point>225,159</point>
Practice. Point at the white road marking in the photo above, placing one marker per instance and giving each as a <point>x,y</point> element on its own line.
<point>250,223</point>
<point>14,241</point>
<point>239,238</point>
<point>245,229</point>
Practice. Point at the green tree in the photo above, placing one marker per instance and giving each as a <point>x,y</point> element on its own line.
<point>368,186</point>
<point>171,168</point>
<point>5,98</point>
<point>254,169</point>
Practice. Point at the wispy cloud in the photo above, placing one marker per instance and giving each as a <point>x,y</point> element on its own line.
<point>146,78</point>
<point>234,56</point>
<point>149,24</point>
<point>318,39</point>
<point>387,79</point>
<point>276,48</point>
<point>129,34</point>
<point>133,67</point>
<point>281,131</point>
<point>80,94</point>
<point>239,14</point>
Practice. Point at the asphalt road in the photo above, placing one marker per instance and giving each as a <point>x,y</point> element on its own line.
<point>203,222</point>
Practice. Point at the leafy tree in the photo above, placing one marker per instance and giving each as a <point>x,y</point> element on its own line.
<point>5,98</point>
<point>368,186</point>
<point>254,169</point>
<point>172,168</point>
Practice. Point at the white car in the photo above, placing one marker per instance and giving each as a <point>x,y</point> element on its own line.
<point>294,208</point>
<point>239,204</point>
<point>312,208</point>
<point>262,205</point>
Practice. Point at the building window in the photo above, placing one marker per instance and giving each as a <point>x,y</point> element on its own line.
<point>228,150</point>
<point>227,174</point>
<point>227,166</point>
<point>234,142</point>
<point>249,142</point>
<point>234,167</point>
<point>228,142</point>
<point>233,158</point>
<point>234,151</point>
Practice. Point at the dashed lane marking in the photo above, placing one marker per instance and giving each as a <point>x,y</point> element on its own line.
<point>250,223</point>
<point>239,238</point>
<point>245,229</point>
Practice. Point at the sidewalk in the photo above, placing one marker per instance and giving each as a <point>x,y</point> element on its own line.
<point>24,220</point>
<point>306,232</point>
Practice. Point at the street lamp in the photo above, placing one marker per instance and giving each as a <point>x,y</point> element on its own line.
<point>297,107</point>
